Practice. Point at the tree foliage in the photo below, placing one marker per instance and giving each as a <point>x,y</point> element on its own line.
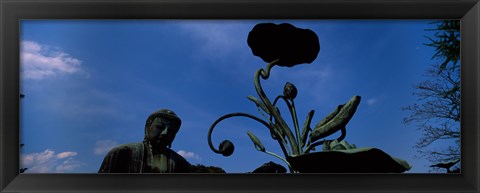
<point>437,111</point>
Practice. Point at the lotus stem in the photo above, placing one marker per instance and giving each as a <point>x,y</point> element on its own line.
<point>293,113</point>
<point>297,128</point>
<point>238,115</point>
<point>273,111</point>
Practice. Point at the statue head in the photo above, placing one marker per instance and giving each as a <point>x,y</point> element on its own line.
<point>161,128</point>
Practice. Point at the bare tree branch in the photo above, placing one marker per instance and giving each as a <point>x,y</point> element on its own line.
<point>437,111</point>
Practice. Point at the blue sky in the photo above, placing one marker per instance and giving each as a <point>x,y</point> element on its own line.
<point>91,84</point>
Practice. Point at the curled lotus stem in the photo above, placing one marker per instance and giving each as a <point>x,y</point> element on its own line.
<point>220,151</point>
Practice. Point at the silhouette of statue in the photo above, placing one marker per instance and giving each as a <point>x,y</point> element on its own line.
<point>153,155</point>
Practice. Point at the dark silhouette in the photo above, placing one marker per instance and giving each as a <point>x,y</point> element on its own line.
<point>205,169</point>
<point>447,166</point>
<point>270,167</point>
<point>285,42</point>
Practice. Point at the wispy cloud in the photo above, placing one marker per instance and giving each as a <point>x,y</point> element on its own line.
<point>189,155</point>
<point>314,80</point>
<point>66,154</point>
<point>49,162</point>
<point>41,61</point>
<point>371,101</point>
<point>218,46</point>
<point>68,165</point>
<point>103,146</point>
<point>319,74</point>
<point>217,39</point>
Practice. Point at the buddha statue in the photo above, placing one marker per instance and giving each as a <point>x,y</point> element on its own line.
<point>153,155</point>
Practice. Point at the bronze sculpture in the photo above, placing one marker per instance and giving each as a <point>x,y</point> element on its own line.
<point>285,45</point>
<point>153,155</point>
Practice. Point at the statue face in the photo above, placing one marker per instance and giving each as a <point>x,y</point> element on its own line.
<point>162,131</point>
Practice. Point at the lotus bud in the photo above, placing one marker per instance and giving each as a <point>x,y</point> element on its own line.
<point>226,148</point>
<point>290,91</point>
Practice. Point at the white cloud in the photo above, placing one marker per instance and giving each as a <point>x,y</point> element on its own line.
<point>49,162</point>
<point>66,154</point>
<point>371,101</point>
<point>68,165</point>
<point>103,146</point>
<point>39,61</point>
<point>189,155</point>
<point>30,46</point>
<point>44,156</point>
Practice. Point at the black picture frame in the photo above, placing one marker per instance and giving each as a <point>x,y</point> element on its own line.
<point>14,10</point>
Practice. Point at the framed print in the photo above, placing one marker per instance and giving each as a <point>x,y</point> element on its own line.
<point>248,96</point>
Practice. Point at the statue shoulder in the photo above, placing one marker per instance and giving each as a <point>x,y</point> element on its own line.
<point>129,147</point>
<point>125,158</point>
<point>181,164</point>
<point>178,158</point>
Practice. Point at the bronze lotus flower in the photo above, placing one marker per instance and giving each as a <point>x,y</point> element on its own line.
<point>290,91</point>
<point>289,44</point>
